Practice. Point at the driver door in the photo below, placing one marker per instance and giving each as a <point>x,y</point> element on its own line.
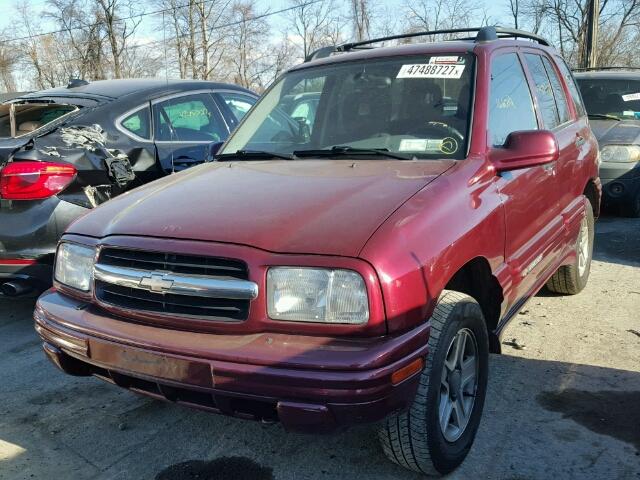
<point>185,125</point>
<point>529,195</point>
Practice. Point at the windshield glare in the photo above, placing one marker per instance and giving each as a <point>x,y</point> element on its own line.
<point>615,97</point>
<point>416,106</point>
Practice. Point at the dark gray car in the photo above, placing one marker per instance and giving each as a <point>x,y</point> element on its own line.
<point>612,100</point>
<point>66,150</point>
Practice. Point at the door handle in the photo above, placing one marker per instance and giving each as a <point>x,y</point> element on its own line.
<point>580,140</point>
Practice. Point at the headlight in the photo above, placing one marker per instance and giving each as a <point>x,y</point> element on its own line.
<point>316,295</point>
<point>620,153</point>
<point>74,266</point>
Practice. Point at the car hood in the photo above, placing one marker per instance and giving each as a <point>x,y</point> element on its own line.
<point>327,207</point>
<point>613,132</point>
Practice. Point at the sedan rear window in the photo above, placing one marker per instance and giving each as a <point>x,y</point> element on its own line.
<point>17,119</point>
<point>414,106</point>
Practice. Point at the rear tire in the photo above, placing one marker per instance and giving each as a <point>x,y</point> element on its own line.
<point>447,394</point>
<point>571,279</point>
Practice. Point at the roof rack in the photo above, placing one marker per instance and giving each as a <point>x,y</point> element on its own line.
<point>595,69</point>
<point>484,34</point>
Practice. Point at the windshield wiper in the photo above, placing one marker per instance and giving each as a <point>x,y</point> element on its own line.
<point>254,155</point>
<point>340,150</point>
<point>603,115</point>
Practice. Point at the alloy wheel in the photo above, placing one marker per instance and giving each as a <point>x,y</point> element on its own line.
<point>583,247</point>
<point>458,385</point>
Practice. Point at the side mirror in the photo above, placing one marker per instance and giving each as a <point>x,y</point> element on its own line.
<point>525,149</point>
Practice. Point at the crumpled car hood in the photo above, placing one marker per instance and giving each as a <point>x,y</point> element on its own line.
<point>612,132</point>
<point>327,207</point>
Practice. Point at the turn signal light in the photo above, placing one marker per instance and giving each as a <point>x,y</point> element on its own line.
<point>407,371</point>
<point>31,180</point>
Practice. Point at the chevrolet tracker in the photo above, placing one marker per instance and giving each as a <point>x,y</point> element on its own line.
<point>350,259</point>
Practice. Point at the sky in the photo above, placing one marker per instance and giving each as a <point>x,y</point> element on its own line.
<point>495,9</point>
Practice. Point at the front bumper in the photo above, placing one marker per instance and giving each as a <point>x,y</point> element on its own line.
<point>308,383</point>
<point>620,182</point>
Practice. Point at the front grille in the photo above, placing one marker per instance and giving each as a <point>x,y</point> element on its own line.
<point>175,263</point>
<point>131,296</point>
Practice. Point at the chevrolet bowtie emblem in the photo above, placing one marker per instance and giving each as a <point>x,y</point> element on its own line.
<point>157,282</point>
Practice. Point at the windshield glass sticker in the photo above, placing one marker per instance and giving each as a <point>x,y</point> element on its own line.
<point>447,145</point>
<point>413,145</point>
<point>631,97</point>
<point>423,70</point>
<point>446,60</point>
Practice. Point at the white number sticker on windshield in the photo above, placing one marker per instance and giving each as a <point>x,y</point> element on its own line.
<point>631,97</point>
<point>425,70</point>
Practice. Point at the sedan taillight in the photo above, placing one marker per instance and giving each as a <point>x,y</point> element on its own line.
<point>30,180</point>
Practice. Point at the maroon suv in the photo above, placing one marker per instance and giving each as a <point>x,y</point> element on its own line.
<point>354,253</point>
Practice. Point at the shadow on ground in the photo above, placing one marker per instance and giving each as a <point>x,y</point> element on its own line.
<point>617,240</point>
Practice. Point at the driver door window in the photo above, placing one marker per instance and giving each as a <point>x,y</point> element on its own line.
<point>189,118</point>
<point>510,103</point>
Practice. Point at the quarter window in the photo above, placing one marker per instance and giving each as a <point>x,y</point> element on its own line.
<point>138,123</point>
<point>238,104</point>
<point>543,91</point>
<point>511,106</point>
<point>571,85</point>
<point>190,118</point>
<point>558,91</point>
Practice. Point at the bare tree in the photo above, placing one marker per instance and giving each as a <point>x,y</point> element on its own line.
<point>442,14</point>
<point>514,7</point>
<point>8,61</point>
<point>198,35</point>
<point>565,23</point>
<point>247,40</point>
<point>361,15</point>
<point>117,31</point>
<point>311,24</point>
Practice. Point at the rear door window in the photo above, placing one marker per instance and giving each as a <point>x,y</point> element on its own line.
<point>511,106</point>
<point>188,118</point>
<point>543,92</point>
<point>571,85</point>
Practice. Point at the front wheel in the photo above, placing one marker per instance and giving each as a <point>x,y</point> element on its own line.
<point>435,434</point>
<point>571,279</point>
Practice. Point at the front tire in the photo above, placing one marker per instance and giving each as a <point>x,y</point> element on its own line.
<point>571,279</point>
<point>436,433</point>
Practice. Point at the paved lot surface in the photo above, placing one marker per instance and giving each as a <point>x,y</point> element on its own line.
<point>565,406</point>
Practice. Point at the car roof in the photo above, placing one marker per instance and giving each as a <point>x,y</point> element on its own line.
<point>111,89</point>
<point>609,75</point>
<point>450,46</point>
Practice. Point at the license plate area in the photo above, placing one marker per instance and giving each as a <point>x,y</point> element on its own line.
<point>137,361</point>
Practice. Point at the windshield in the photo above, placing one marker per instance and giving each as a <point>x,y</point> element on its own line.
<point>404,107</point>
<point>619,98</point>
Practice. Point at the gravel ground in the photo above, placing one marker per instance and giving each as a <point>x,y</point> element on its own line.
<point>563,402</point>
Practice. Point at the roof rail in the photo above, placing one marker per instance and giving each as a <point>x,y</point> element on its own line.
<point>484,34</point>
<point>595,69</point>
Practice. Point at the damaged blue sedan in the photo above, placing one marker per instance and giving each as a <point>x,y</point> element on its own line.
<point>66,150</point>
